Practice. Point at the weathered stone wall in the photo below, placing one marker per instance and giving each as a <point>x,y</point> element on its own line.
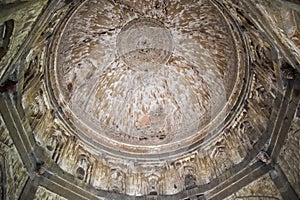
<point>24,14</point>
<point>284,20</point>
<point>44,194</point>
<point>13,174</point>
<point>289,159</point>
<point>262,188</point>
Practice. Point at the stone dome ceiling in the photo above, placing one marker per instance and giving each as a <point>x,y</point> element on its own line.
<point>149,99</point>
<point>136,81</point>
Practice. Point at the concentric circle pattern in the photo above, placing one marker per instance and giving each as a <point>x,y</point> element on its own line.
<point>142,81</point>
<point>144,44</point>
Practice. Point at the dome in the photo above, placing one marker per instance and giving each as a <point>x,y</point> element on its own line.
<point>149,99</point>
<point>151,85</point>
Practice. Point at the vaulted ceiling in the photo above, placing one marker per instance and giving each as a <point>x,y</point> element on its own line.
<point>149,99</point>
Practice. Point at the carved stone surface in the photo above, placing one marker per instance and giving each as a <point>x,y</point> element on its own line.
<point>24,18</point>
<point>144,44</point>
<point>135,80</point>
<point>262,188</point>
<point>108,173</point>
<point>125,117</point>
<point>6,29</point>
<point>44,194</point>
<point>13,173</point>
<point>289,159</point>
<point>284,22</point>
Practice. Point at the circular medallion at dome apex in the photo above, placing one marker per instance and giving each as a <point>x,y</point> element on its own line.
<point>135,81</point>
<point>144,44</point>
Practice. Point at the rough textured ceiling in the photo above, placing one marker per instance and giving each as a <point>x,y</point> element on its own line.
<point>107,99</point>
<point>148,81</point>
